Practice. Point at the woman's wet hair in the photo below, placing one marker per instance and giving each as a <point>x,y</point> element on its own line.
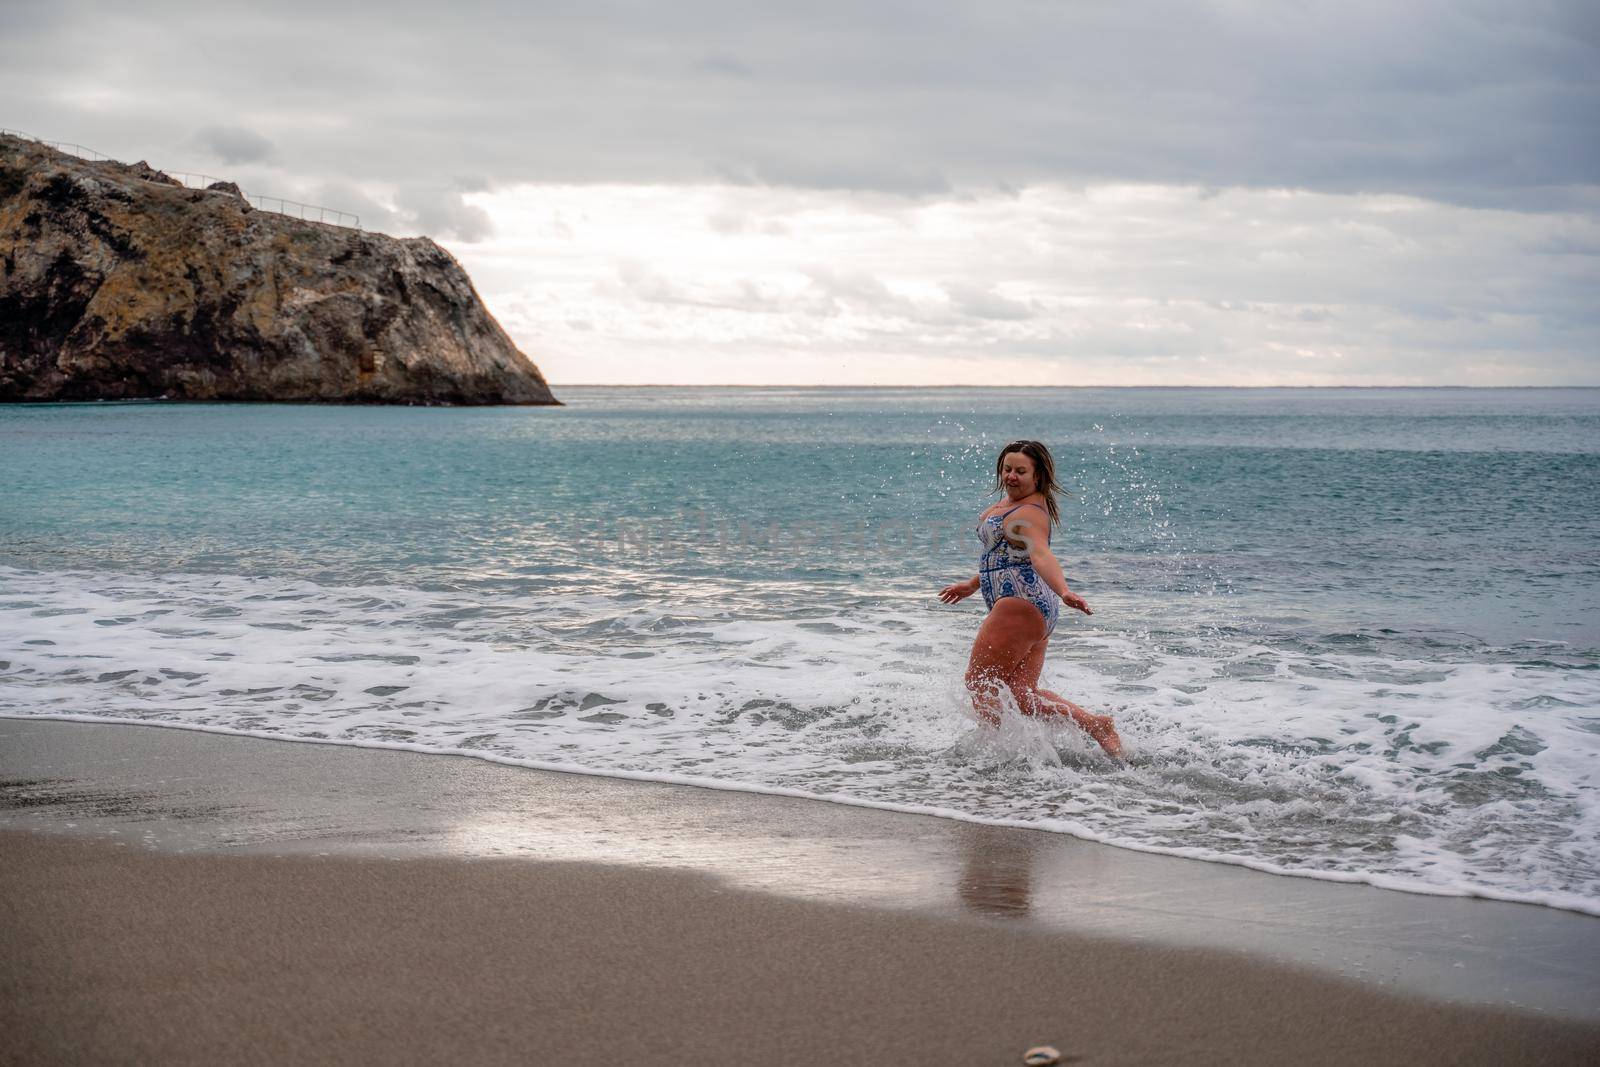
<point>1044,472</point>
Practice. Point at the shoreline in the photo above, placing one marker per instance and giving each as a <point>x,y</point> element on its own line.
<point>190,794</point>
<point>1380,882</point>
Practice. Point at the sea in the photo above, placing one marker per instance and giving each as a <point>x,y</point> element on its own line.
<point>1349,634</point>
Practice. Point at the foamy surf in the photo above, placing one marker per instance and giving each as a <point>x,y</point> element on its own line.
<point>1401,763</point>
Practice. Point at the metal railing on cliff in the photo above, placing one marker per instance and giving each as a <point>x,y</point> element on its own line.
<point>292,208</point>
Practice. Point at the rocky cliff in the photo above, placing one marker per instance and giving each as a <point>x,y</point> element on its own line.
<point>117,282</point>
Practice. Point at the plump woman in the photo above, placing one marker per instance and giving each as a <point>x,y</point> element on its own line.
<point>1024,588</point>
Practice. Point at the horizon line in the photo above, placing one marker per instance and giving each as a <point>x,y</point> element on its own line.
<point>960,385</point>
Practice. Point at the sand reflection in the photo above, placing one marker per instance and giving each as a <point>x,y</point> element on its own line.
<point>996,870</point>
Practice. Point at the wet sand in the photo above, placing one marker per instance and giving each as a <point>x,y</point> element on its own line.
<point>178,897</point>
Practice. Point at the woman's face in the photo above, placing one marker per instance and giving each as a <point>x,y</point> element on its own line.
<point>1016,474</point>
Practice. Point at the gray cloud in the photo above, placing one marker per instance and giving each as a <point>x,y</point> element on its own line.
<point>638,282</point>
<point>442,212</point>
<point>732,222</point>
<point>855,290</point>
<point>724,65</point>
<point>233,144</point>
<point>888,119</point>
<point>982,302</point>
<point>1470,101</point>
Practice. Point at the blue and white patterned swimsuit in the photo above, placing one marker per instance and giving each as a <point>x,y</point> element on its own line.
<point>1004,571</point>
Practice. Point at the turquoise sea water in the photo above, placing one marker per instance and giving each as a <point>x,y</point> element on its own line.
<point>1348,633</point>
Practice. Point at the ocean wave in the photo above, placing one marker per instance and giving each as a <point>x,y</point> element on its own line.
<point>1405,761</point>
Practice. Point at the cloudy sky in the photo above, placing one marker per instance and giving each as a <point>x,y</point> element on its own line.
<point>926,192</point>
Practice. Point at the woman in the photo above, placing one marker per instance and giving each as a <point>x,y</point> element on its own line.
<point>1024,588</point>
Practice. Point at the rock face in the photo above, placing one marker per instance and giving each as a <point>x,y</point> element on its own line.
<point>116,282</point>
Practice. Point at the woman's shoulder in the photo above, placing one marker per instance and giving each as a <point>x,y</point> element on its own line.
<point>1032,512</point>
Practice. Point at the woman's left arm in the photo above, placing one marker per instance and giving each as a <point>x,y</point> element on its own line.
<point>1033,534</point>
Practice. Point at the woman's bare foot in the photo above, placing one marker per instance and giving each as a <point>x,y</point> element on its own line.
<point>1100,728</point>
<point>1103,731</point>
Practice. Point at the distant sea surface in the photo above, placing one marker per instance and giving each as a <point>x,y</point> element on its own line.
<point>1350,634</point>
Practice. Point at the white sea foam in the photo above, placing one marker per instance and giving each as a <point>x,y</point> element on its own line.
<point>1432,774</point>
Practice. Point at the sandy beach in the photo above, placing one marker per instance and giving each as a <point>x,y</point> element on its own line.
<point>178,897</point>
